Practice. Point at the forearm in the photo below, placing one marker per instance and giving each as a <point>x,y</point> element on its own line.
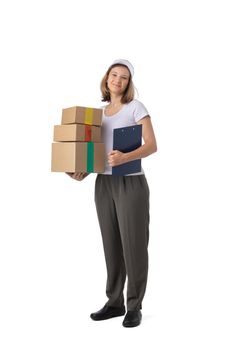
<point>141,152</point>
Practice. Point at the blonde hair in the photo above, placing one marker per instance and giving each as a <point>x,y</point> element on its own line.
<point>128,94</point>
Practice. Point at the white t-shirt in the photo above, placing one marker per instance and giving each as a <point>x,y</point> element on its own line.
<point>129,115</point>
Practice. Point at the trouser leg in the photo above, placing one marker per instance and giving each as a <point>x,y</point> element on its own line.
<point>113,251</point>
<point>132,205</point>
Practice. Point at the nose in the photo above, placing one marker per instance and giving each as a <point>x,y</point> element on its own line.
<point>118,80</point>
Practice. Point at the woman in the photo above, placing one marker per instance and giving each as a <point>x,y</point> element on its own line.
<point>122,202</point>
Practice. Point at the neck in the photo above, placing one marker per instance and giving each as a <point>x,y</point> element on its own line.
<point>115,100</point>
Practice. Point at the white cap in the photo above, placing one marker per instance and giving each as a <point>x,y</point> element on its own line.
<point>125,63</point>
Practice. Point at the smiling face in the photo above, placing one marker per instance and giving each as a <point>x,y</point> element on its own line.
<point>118,80</point>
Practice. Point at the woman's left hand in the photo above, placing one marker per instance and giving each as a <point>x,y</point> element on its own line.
<point>116,158</point>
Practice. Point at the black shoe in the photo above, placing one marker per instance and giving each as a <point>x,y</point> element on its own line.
<point>132,318</point>
<point>107,312</point>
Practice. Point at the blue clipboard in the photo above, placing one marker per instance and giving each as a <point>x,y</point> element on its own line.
<point>127,139</point>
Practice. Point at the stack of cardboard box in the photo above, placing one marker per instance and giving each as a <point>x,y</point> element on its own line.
<point>78,146</point>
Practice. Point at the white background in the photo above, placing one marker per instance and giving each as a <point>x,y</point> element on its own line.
<point>52,268</point>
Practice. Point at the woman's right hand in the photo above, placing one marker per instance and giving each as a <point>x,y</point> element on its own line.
<point>79,176</point>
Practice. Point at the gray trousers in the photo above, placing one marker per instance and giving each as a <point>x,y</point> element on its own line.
<point>122,204</point>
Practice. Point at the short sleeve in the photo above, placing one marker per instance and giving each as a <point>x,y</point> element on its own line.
<point>139,110</point>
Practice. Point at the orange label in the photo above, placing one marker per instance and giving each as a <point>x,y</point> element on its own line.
<point>87,133</point>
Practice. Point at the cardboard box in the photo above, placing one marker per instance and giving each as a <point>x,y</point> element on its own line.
<point>78,156</point>
<point>77,132</point>
<point>82,115</point>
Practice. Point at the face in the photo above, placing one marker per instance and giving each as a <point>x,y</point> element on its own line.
<point>118,79</point>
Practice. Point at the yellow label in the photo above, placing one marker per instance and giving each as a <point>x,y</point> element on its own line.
<point>89,116</point>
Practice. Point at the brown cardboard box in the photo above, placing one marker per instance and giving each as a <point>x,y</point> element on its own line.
<point>82,115</point>
<point>77,132</point>
<point>78,156</point>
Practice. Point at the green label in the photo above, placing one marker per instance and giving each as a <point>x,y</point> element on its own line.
<point>90,157</point>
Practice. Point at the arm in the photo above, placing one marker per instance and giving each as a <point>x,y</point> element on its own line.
<point>150,146</point>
